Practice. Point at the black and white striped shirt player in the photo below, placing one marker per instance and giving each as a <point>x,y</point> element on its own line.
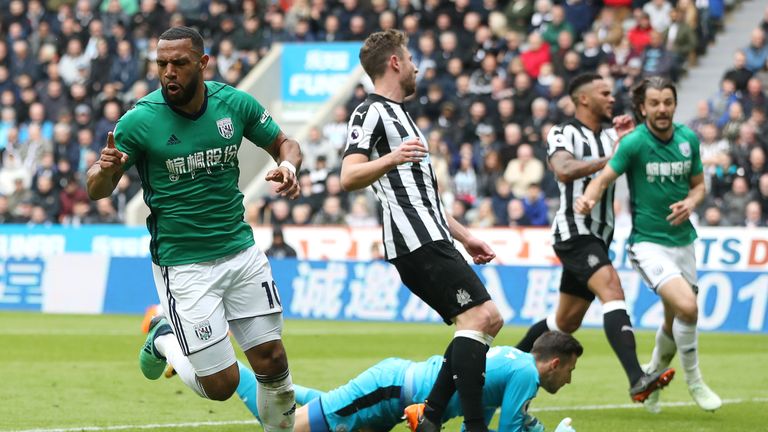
<point>413,213</point>
<point>574,137</point>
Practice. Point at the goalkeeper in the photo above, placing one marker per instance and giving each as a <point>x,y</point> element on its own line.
<point>375,399</point>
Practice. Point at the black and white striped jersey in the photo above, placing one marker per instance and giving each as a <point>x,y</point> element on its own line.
<point>574,137</point>
<point>413,212</point>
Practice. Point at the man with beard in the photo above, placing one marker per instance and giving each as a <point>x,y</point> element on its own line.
<point>386,150</point>
<point>666,183</point>
<point>578,150</point>
<point>210,276</point>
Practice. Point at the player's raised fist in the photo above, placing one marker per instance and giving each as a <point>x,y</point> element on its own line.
<point>583,205</point>
<point>112,159</point>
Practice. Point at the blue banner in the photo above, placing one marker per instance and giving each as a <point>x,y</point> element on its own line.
<point>312,72</point>
<point>362,291</point>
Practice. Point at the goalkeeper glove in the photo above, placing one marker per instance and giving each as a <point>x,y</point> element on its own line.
<point>565,426</point>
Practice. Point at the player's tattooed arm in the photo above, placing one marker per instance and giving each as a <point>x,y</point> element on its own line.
<point>595,190</point>
<point>567,168</point>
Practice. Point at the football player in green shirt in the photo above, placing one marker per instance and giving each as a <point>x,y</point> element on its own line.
<point>664,172</point>
<point>210,276</point>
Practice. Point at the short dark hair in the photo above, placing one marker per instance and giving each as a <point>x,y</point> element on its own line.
<point>556,344</point>
<point>377,49</point>
<point>580,81</point>
<point>654,82</point>
<point>181,32</point>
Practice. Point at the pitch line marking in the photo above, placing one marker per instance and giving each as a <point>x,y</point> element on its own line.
<point>254,422</point>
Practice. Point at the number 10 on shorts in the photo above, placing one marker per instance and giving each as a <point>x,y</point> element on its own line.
<point>272,295</point>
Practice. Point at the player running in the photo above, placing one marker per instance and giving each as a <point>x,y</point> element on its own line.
<point>209,275</point>
<point>664,171</point>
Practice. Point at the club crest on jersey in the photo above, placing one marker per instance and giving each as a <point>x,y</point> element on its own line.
<point>685,148</point>
<point>226,128</point>
<point>203,330</point>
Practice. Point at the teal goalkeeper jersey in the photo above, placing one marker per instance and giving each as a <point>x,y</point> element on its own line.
<point>511,382</point>
<point>659,174</point>
<point>189,171</point>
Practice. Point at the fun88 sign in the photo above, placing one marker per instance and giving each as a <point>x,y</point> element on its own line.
<point>311,72</point>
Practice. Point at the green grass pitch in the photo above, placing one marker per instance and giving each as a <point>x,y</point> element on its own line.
<point>72,373</point>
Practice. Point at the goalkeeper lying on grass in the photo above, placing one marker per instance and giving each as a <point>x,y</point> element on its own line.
<point>375,400</point>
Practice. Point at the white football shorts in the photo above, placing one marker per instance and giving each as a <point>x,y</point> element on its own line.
<point>657,263</point>
<point>201,299</point>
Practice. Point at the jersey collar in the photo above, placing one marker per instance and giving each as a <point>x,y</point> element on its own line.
<point>186,115</point>
<point>380,98</point>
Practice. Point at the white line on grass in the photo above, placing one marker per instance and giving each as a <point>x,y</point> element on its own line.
<point>145,426</point>
<point>637,405</point>
<point>248,422</point>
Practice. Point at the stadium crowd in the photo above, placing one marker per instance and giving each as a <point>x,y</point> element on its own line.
<point>493,79</point>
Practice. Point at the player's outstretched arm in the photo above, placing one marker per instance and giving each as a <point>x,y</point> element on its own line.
<point>595,190</point>
<point>567,168</point>
<point>103,176</point>
<point>287,153</point>
<point>357,171</point>
<point>480,252</point>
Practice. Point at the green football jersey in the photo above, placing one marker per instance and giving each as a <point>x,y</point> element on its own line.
<point>658,174</point>
<point>189,171</point>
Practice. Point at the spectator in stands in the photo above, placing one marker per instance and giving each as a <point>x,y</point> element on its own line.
<point>490,172</point>
<point>279,248</point>
<point>459,211</point>
<point>702,118</point>
<point>680,39</point>
<point>658,12</point>
<point>739,73</point>
<point>71,194</point>
<point>331,213</point>
<point>755,167</point>
<point>516,216</point>
<point>536,54</point>
<point>757,50</point>
<point>732,126</point>
<point>735,201</point>
<point>333,188</point>
<point>518,14</point>
<point>105,212</point>
<point>551,30</point>
<point>360,215</point>
<point>712,217</point>
<point>753,215</point>
<point>640,35</point>
<point>713,150</point>
<point>124,71</point>
<point>483,216</point>
<point>524,170</point>
<point>535,206</point>
<point>743,144</point>
<point>47,198</point>
<point>465,179</point>
<point>754,96</point>
<point>760,194</point>
<point>657,61</point>
<point>5,214</point>
<point>722,179</point>
<point>720,103</point>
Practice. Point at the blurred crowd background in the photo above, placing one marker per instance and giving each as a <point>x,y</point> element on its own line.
<point>493,79</point>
